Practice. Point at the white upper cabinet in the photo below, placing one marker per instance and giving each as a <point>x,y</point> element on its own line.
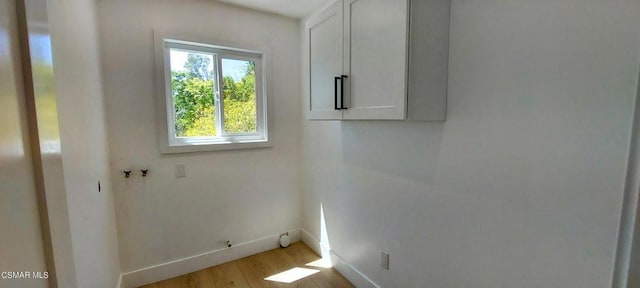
<point>375,58</point>
<point>325,51</point>
<point>379,59</point>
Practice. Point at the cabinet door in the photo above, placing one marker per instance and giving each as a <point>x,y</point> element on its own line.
<point>325,61</point>
<point>376,58</point>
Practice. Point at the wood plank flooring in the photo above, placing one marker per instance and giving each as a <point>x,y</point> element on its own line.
<point>251,272</point>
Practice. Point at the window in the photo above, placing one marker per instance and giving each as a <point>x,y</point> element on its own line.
<point>214,97</point>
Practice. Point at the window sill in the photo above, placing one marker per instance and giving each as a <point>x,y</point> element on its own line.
<point>191,148</point>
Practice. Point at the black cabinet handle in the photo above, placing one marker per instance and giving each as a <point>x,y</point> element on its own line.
<point>342,78</point>
<point>335,93</point>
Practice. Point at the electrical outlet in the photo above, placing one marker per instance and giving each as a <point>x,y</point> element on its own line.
<point>384,260</point>
<point>180,171</point>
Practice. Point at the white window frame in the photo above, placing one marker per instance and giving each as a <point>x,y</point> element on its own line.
<point>167,139</point>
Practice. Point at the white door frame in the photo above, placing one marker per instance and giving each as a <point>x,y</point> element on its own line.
<point>627,263</point>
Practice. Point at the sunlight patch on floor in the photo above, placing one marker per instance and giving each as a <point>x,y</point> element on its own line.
<point>292,275</point>
<point>321,263</point>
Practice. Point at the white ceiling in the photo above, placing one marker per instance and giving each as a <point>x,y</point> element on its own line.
<point>291,8</point>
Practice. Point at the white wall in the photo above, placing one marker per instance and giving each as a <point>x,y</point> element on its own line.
<point>522,185</point>
<point>85,157</point>
<point>240,195</point>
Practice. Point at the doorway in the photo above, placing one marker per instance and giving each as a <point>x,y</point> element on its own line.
<point>25,245</point>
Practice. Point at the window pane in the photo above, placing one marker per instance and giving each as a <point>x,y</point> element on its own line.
<point>239,89</point>
<point>192,87</point>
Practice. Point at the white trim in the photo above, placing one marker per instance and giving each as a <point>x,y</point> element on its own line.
<point>218,95</point>
<point>194,263</point>
<point>211,49</point>
<point>629,228</point>
<point>352,274</point>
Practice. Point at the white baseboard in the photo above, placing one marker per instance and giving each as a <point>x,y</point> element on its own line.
<point>194,263</point>
<point>351,273</point>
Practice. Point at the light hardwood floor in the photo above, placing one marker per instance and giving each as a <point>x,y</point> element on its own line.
<point>252,271</point>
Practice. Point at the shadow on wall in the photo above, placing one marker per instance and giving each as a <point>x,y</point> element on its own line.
<point>404,149</point>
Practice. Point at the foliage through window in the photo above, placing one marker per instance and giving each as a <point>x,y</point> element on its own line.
<point>214,94</point>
